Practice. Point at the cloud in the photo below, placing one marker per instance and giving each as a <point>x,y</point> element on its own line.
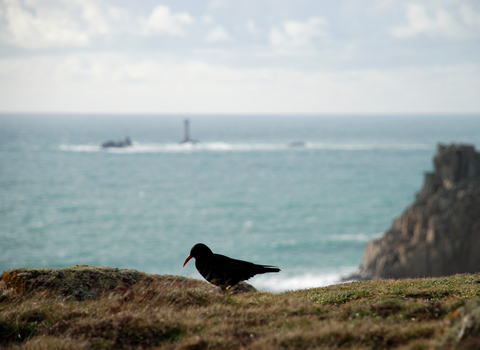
<point>217,34</point>
<point>163,21</point>
<point>296,33</point>
<point>470,17</point>
<point>119,14</point>
<point>251,27</point>
<point>39,24</point>
<point>350,61</point>
<point>213,4</point>
<point>207,19</point>
<point>115,83</point>
<point>457,23</point>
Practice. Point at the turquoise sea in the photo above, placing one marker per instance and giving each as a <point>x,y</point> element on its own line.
<point>242,190</point>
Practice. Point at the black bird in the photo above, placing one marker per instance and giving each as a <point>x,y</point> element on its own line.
<point>223,271</point>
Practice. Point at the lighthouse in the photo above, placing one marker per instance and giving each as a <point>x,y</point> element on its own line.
<point>186,136</point>
<point>186,133</point>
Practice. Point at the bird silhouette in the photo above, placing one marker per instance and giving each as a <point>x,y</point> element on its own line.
<point>223,271</point>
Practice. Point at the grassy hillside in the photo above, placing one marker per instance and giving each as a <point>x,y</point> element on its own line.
<point>169,312</point>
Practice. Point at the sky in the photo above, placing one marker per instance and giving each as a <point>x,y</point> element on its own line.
<point>248,56</point>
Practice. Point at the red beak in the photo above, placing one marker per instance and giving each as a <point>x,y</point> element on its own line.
<point>186,260</point>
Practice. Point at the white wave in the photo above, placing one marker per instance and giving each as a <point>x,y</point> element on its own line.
<point>174,147</point>
<point>360,237</point>
<point>235,147</point>
<point>79,148</point>
<point>327,238</point>
<point>279,283</point>
<point>366,146</point>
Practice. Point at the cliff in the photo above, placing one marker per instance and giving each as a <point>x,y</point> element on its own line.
<point>439,234</point>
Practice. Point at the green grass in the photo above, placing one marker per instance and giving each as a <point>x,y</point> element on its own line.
<point>181,313</point>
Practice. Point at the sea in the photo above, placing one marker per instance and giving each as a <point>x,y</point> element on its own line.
<point>301,192</point>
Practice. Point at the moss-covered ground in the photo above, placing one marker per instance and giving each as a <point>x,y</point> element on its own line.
<point>178,313</point>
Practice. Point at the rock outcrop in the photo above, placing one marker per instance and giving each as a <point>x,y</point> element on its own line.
<point>439,234</point>
<point>82,282</point>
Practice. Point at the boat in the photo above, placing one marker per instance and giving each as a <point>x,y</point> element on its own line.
<point>117,144</point>
<point>296,143</point>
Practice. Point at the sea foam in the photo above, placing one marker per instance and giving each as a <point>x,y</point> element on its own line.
<point>279,283</point>
<point>236,147</point>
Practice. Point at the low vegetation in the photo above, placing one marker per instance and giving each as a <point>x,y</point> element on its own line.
<point>171,312</point>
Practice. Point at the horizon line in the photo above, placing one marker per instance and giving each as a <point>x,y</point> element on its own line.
<point>248,114</point>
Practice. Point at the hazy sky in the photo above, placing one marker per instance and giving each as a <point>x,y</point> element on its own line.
<point>247,56</point>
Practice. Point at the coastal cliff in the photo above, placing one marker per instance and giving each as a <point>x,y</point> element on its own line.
<point>439,234</point>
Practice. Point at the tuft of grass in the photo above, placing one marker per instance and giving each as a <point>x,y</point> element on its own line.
<point>16,332</point>
<point>178,313</point>
<point>13,280</point>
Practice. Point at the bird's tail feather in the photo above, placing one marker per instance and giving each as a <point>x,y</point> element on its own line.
<point>268,268</point>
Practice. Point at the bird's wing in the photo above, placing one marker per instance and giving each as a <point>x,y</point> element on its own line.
<point>221,265</point>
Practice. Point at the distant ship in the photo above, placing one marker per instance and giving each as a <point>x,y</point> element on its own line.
<point>296,144</point>
<point>186,133</point>
<point>118,144</point>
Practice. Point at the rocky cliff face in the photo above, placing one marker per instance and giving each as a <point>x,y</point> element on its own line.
<point>439,234</point>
